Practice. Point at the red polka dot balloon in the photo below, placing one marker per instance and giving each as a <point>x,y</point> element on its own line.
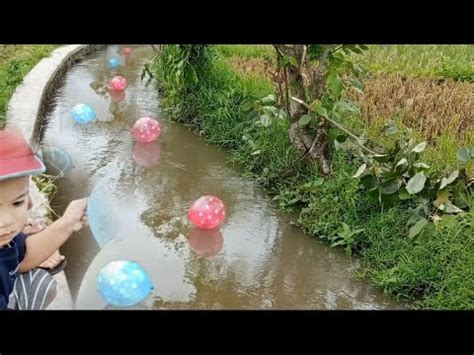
<point>118,83</point>
<point>146,130</point>
<point>206,243</point>
<point>208,212</point>
<point>127,50</point>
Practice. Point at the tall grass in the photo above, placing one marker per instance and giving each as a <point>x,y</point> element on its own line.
<point>450,61</point>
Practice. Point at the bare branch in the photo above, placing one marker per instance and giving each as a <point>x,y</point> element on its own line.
<point>338,125</point>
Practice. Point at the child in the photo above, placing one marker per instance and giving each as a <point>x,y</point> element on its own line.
<point>22,284</point>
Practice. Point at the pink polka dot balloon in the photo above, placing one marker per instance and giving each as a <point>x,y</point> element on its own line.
<point>118,83</point>
<point>146,154</point>
<point>205,243</point>
<point>127,50</point>
<point>208,212</point>
<point>146,130</point>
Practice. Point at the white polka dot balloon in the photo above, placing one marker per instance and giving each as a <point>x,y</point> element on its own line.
<point>146,130</point>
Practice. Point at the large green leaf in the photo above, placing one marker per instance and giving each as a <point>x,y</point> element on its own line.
<point>360,170</point>
<point>335,85</point>
<point>390,187</point>
<point>464,155</point>
<point>421,165</point>
<point>322,112</point>
<point>265,120</point>
<point>446,181</point>
<point>347,106</point>
<point>404,195</point>
<point>419,147</point>
<point>417,228</point>
<point>304,120</point>
<point>450,208</point>
<point>402,162</point>
<point>416,183</point>
<point>268,99</point>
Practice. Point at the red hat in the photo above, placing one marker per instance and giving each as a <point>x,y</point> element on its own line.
<point>16,157</point>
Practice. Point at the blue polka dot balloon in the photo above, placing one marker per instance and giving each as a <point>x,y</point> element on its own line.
<point>123,283</point>
<point>113,63</point>
<point>83,113</point>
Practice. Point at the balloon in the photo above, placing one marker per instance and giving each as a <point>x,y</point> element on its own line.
<point>146,130</point>
<point>208,212</point>
<point>206,243</point>
<point>83,113</point>
<point>123,283</point>
<point>146,154</point>
<point>56,160</point>
<point>127,50</point>
<point>113,63</point>
<point>118,83</point>
<point>102,223</point>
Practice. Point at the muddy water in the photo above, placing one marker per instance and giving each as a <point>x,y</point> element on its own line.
<point>257,260</point>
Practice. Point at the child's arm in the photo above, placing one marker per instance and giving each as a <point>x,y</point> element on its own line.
<point>42,245</point>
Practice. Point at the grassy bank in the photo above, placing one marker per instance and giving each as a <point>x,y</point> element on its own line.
<point>407,84</point>
<point>15,62</point>
<point>437,273</point>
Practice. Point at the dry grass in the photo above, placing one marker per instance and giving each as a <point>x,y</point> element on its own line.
<point>252,66</point>
<point>429,106</point>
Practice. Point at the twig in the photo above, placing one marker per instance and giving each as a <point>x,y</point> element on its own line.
<point>338,125</point>
<point>307,151</point>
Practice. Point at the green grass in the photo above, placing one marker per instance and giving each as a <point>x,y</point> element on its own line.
<point>452,61</point>
<point>437,273</point>
<point>247,51</point>
<point>15,62</point>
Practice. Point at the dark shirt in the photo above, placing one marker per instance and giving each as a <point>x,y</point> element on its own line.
<point>10,259</point>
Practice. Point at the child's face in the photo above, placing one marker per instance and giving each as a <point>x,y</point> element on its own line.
<point>14,204</point>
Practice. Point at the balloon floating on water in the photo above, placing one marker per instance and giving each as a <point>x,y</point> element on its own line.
<point>208,212</point>
<point>127,50</point>
<point>102,221</point>
<point>205,243</point>
<point>146,130</point>
<point>146,154</point>
<point>113,63</point>
<point>118,83</point>
<point>83,113</point>
<point>57,160</point>
<point>123,283</point>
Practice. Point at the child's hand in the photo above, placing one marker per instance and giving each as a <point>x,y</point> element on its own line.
<point>75,215</point>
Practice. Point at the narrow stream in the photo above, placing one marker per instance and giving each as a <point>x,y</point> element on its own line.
<point>258,260</point>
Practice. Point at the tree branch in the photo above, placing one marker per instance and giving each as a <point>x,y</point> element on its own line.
<point>338,125</point>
